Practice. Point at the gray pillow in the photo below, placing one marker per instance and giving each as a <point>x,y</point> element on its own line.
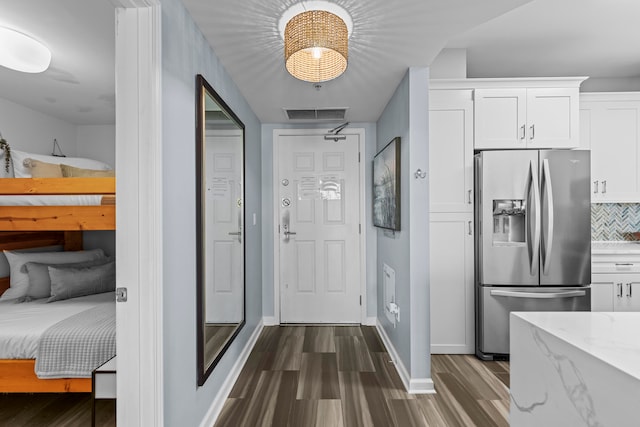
<point>71,282</point>
<point>19,282</point>
<point>39,280</point>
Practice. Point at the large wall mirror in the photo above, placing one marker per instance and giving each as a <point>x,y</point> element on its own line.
<point>220,227</point>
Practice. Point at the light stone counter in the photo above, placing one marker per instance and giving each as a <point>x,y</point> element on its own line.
<point>575,369</point>
<point>617,247</point>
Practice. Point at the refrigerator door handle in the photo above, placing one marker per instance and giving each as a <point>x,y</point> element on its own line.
<point>537,295</point>
<point>533,242</point>
<point>548,240</point>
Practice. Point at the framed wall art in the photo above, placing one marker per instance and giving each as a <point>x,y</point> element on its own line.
<point>386,186</point>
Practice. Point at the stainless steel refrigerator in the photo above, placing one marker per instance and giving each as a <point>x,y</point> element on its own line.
<point>533,238</point>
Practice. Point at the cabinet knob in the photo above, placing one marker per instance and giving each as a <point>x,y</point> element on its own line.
<point>604,187</point>
<point>595,187</point>
<point>533,131</point>
<point>523,129</point>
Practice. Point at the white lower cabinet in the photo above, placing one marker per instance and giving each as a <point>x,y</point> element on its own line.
<point>451,278</point>
<point>615,292</point>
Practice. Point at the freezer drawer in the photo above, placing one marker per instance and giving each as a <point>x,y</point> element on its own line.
<point>495,304</point>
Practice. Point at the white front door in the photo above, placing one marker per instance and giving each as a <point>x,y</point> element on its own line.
<point>224,252</point>
<point>318,199</point>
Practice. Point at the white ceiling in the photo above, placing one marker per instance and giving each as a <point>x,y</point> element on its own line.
<point>546,38</point>
<point>79,86</point>
<point>388,37</point>
<point>599,38</point>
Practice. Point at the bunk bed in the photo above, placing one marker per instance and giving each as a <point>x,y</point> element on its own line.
<point>28,226</point>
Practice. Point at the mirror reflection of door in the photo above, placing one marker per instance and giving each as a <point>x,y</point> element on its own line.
<point>223,237</point>
<point>220,228</point>
<point>223,243</point>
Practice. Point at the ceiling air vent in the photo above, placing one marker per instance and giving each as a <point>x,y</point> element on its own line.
<point>311,114</point>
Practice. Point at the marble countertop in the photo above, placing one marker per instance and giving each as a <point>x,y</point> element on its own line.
<point>617,247</point>
<point>610,337</point>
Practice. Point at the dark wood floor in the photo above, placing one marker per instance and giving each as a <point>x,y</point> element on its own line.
<point>315,377</point>
<point>54,410</point>
<point>321,376</point>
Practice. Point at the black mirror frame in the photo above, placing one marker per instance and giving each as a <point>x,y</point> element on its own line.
<point>203,372</point>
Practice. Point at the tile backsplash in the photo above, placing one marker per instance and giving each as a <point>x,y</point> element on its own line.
<point>614,221</point>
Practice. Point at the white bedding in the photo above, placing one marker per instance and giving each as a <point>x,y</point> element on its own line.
<point>74,200</point>
<point>22,324</point>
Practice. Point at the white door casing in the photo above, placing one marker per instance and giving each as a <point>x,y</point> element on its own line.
<point>318,271</point>
<point>139,322</point>
<point>224,231</point>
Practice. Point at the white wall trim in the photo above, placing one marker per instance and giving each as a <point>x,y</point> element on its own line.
<point>370,321</point>
<point>277,133</point>
<point>139,245</point>
<point>216,407</point>
<point>270,321</point>
<point>412,385</point>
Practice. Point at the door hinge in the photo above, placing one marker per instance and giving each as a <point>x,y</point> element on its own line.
<point>121,295</point>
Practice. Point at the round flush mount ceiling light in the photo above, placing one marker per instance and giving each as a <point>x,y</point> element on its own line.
<point>22,53</point>
<point>316,37</point>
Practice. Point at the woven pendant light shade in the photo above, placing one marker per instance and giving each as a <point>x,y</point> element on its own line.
<point>316,46</point>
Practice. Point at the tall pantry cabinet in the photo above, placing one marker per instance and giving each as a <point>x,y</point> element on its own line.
<point>451,220</point>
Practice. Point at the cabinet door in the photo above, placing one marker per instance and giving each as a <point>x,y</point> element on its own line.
<point>603,287</point>
<point>615,151</point>
<point>630,298</point>
<point>451,151</point>
<point>552,118</point>
<point>500,118</point>
<point>451,284</point>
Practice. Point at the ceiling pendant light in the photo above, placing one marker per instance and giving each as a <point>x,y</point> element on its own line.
<point>22,53</point>
<point>316,46</point>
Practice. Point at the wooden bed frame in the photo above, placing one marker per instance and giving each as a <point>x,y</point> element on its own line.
<point>23,227</point>
<point>39,218</point>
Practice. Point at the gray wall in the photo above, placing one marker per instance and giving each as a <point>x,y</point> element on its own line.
<point>268,220</point>
<point>185,53</point>
<point>406,251</point>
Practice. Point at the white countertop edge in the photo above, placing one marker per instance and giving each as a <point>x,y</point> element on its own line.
<point>610,337</point>
<point>615,247</point>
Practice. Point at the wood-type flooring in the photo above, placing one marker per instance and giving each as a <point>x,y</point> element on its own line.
<point>315,376</point>
<point>54,410</point>
<point>326,376</point>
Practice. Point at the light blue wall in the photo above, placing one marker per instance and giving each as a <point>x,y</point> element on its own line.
<point>185,53</point>
<point>406,251</point>
<point>268,219</point>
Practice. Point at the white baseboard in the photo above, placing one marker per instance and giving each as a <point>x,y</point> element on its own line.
<point>412,385</point>
<point>270,321</point>
<point>216,407</point>
<point>370,321</point>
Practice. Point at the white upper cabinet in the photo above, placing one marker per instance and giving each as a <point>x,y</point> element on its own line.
<point>610,127</point>
<point>451,151</point>
<point>526,118</point>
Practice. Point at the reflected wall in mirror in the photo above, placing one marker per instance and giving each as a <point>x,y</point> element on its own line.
<point>219,227</point>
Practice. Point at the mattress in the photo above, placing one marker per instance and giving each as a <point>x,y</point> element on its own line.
<point>22,324</point>
<point>29,200</point>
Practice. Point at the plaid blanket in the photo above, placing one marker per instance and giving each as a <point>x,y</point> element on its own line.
<point>75,346</point>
